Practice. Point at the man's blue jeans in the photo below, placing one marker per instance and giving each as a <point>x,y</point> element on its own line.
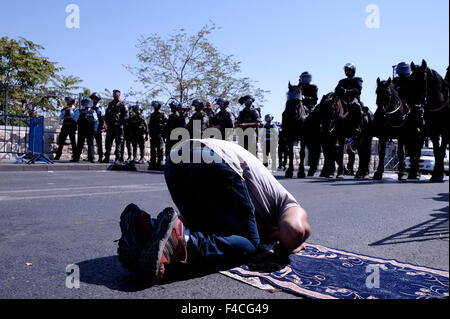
<point>216,207</point>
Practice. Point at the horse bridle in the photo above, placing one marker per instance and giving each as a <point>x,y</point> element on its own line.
<point>398,103</point>
<point>425,97</point>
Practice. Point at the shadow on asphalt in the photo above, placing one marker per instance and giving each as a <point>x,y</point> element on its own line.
<point>434,228</point>
<point>109,272</point>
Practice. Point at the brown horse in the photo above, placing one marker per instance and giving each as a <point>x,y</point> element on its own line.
<point>393,120</point>
<point>432,92</point>
<point>295,127</point>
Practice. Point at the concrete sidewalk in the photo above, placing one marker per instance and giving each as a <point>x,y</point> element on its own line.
<point>11,166</point>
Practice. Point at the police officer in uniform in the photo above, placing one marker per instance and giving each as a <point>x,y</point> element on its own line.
<point>270,131</point>
<point>100,110</point>
<point>139,132</point>
<point>248,118</point>
<point>209,111</point>
<point>402,83</point>
<point>69,115</point>
<point>116,115</point>
<point>349,91</point>
<point>309,91</point>
<point>223,119</point>
<point>87,127</point>
<point>128,132</point>
<point>170,125</point>
<point>156,126</point>
<point>201,117</point>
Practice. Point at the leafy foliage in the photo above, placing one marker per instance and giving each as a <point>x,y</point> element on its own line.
<point>32,80</point>
<point>184,67</point>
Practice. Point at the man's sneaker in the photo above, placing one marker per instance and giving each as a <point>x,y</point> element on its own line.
<point>136,228</point>
<point>167,245</point>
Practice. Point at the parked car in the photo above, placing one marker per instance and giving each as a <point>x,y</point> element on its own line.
<point>426,162</point>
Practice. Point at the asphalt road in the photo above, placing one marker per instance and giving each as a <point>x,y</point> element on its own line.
<point>49,220</point>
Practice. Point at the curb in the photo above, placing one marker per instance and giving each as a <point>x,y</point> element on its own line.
<point>43,167</point>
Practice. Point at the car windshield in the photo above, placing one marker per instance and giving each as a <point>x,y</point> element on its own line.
<point>427,152</point>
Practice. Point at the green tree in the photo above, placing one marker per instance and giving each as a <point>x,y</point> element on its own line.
<point>184,67</point>
<point>33,82</point>
<point>23,70</point>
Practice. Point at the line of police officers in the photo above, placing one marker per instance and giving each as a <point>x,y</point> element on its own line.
<point>128,128</point>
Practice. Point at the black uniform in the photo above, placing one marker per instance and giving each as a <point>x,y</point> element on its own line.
<point>156,126</point>
<point>116,115</point>
<point>138,134</point>
<point>282,150</point>
<point>224,119</point>
<point>196,132</point>
<point>309,92</point>
<point>268,138</point>
<point>170,125</point>
<point>86,129</point>
<point>69,127</point>
<point>249,115</point>
<point>405,90</point>
<point>349,91</point>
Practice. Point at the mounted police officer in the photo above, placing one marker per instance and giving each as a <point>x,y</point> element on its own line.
<point>156,126</point>
<point>139,132</point>
<point>69,115</point>
<point>100,110</point>
<point>249,117</point>
<point>224,119</point>
<point>309,91</point>
<point>199,121</point>
<point>349,91</point>
<point>87,127</point>
<point>116,115</point>
<point>402,83</point>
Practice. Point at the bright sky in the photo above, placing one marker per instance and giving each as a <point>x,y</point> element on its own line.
<point>275,40</point>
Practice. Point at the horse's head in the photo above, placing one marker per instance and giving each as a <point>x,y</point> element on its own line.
<point>294,93</point>
<point>328,111</point>
<point>390,103</point>
<point>430,89</point>
<point>294,101</point>
<point>386,95</point>
<point>420,78</point>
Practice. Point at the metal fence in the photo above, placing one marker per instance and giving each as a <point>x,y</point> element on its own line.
<point>14,134</point>
<point>21,134</point>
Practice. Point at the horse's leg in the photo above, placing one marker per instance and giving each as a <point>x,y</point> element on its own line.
<point>381,154</point>
<point>326,157</point>
<point>290,171</point>
<point>439,152</point>
<point>340,157</point>
<point>364,151</point>
<point>313,158</point>
<point>415,150</point>
<point>401,160</point>
<point>301,165</point>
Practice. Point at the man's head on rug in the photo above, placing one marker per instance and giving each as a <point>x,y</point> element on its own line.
<point>294,229</point>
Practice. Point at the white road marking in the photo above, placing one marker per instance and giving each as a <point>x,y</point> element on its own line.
<point>81,188</point>
<point>90,194</point>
